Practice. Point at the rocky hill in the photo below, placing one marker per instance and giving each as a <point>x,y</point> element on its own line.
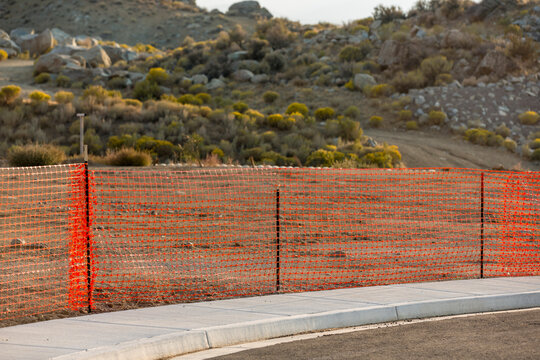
<point>162,23</point>
<point>249,88</point>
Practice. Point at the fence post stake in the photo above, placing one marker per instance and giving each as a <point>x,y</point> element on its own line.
<point>482,227</point>
<point>87,230</point>
<point>278,245</point>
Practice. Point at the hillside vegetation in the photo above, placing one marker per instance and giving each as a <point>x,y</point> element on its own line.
<point>262,90</point>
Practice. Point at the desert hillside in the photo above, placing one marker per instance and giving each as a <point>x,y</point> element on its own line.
<point>448,83</point>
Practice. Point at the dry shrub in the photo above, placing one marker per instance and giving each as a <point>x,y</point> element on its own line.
<point>128,157</point>
<point>35,155</point>
<point>529,118</point>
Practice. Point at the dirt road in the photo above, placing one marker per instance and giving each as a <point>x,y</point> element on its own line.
<point>429,149</point>
<point>510,335</point>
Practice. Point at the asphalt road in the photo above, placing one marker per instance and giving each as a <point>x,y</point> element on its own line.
<point>509,335</point>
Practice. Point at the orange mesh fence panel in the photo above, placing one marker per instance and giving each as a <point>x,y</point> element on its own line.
<point>41,233</point>
<point>164,236</point>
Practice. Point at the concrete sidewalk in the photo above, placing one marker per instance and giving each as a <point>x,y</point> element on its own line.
<point>155,333</point>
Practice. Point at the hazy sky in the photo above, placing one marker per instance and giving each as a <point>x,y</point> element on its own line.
<point>314,11</point>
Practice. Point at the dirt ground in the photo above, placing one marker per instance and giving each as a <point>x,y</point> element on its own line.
<point>507,335</point>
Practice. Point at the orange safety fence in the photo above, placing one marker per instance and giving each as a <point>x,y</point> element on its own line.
<point>131,238</point>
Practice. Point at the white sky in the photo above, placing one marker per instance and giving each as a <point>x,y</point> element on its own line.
<point>314,11</point>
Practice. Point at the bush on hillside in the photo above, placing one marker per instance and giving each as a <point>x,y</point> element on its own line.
<point>128,157</point>
<point>39,96</point>
<point>434,66</point>
<point>380,90</point>
<point>63,81</point>
<point>405,115</point>
<point>35,155</point>
<point>411,125</point>
<point>3,55</point>
<point>323,114</point>
<point>529,118</point>
<point>436,117</point>
<point>375,121</point>
<point>147,90</point>
<point>157,75</point>
<point>403,82</point>
<point>8,94</point>
<point>510,145</point>
<point>522,47</point>
<point>352,111</point>
<point>388,14</point>
<point>42,78</point>
<point>270,97</point>
<point>355,52</point>
<point>64,97</point>
<point>241,107</point>
<point>483,137</point>
<point>297,108</point>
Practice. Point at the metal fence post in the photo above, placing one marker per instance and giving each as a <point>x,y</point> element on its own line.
<point>482,227</point>
<point>278,245</point>
<point>88,250</point>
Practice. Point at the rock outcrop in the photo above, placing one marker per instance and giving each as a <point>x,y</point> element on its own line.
<point>249,9</point>
<point>36,44</point>
<point>95,57</point>
<point>55,63</point>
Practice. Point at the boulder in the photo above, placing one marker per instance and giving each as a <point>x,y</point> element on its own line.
<point>66,49</point>
<point>215,84</point>
<point>455,39</point>
<point>37,44</point>
<point>200,79</point>
<point>118,53</point>
<point>63,38</point>
<point>363,80</point>
<point>497,63</point>
<point>249,9</point>
<point>20,32</point>
<point>9,46</point>
<point>78,75</point>
<point>4,35</point>
<point>237,55</point>
<point>260,79</point>
<point>54,63</point>
<point>242,75</point>
<point>86,41</point>
<point>407,53</point>
<point>417,32</point>
<point>95,57</point>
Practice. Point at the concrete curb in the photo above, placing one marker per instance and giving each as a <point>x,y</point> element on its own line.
<point>214,337</point>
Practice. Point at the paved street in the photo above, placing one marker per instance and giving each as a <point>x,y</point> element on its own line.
<point>509,335</point>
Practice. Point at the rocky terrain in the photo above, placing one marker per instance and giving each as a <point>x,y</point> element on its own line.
<point>449,68</point>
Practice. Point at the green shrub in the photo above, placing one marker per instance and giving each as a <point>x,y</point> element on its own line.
<point>157,75</point>
<point>133,102</point>
<point>197,89</point>
<point>529,118</point>
<point>403,82</point>
<point>411,125</point>
<point>280,122</point>
<point>42,78</point>
<point>436,117</point>
<point>483,137</point>
<point>502,130</point>
<point>3,55</point>
<point>324,158</point>
<point>405,115</point>
<point>8,94</point>
<point>510,145</point>
<point>388,157</point>
<point>297,108</point>
<point>63,81</point>
<point>146,90</point>
<point>204,97</point>
<point>39,96</point>
<point>434,66</point>
<point>535,144</point>
<point>375,121</point>
<point>443,79</point>
<point>128,157</point>
<point>380,90</point>
<point>189,99</point>
<point>323,114</point>
<point>35,155</point>
<point>522,47</point>
<point>309,34</point>
<point>161,149</point>
<point>535,156</point>
<point>352,111</point>
<point>241,107</point>
<point>64,97</point>
<point>355,53</point>
<point>270,97</point>
<point>117,83</point>
<point>387,14</point>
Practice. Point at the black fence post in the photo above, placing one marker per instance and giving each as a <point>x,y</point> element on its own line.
<point>482,227</point>
<point>278,244</point>
<point>88,252</point>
